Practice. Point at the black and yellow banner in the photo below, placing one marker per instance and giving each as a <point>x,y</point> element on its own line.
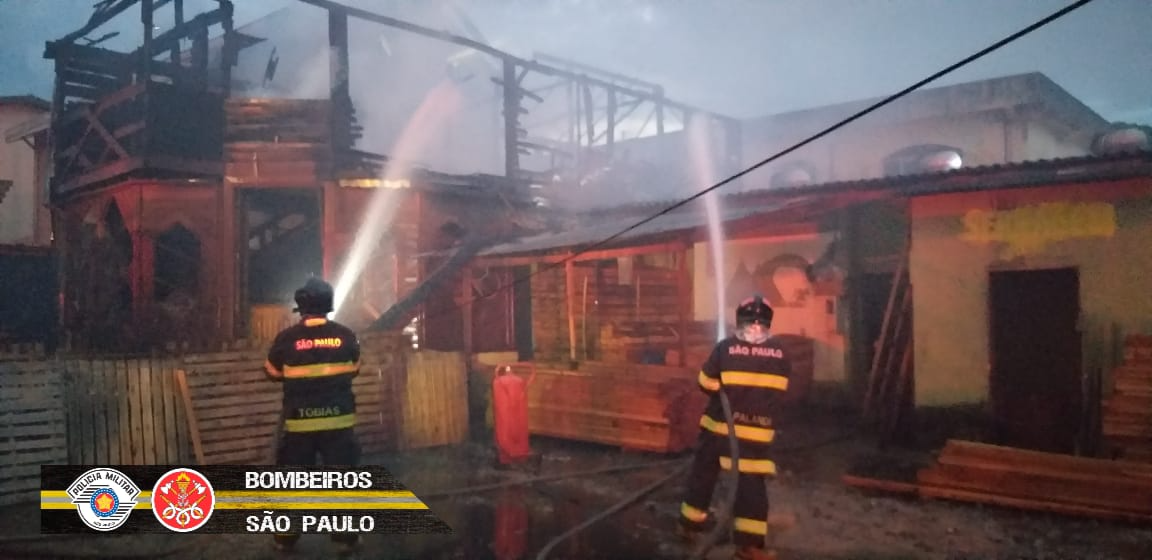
<point>229,499</point>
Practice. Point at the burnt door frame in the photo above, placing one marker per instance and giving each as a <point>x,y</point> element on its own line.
<point>1016,407</point>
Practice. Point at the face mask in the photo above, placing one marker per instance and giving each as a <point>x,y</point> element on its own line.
<point>753,334</point>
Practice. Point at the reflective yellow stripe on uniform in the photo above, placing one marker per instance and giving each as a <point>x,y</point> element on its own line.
<point>319,424</point>
<point>692,514</point>
<point>271,369</point>
<point>750,433</point>
<point>709,383</point>
<point>755,379</point>
<point>750,526</point>
<point>320,370</point>
<point>753,466</point>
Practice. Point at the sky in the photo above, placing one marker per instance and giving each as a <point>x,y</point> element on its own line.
<point>739,57</point>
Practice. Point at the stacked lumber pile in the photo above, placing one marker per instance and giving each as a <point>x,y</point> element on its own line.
<point>277,141</point>
<point>990,474</point>
<point>277,120</point>
<point>1127,414</point>
<point>642,407</point>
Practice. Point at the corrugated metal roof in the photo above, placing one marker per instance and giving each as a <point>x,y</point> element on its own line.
<point>750,203</point>
<point>28,100</point>
<point>36,124</point>
<point>1024,173</point>
<point>688,218</point>
<point>984,177</point>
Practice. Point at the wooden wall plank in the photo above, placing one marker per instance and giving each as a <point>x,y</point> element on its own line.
<point>147,416</point>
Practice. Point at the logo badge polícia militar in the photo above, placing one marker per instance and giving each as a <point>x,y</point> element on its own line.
<point>182,500</point>
<point>104,498</point>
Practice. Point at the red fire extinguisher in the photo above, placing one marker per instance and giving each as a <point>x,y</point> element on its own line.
<point>510,412</point>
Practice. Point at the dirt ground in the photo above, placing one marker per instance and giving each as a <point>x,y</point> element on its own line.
<point>815,516</point>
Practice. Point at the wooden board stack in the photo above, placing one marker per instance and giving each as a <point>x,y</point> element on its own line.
<point>1127,414</point>
<point>1033,480</point>
<point>641,407</point>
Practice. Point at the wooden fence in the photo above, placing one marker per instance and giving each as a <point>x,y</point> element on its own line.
<point>212,408</point>
<point>32,429</point>
<point>124,412</point>
<point>234,413</point>
<point>435,404</point>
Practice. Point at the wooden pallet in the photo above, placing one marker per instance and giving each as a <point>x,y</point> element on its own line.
<point>32,426</point>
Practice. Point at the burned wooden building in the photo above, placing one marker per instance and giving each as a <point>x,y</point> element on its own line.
<point>185,212</point>
<point>181,212</point>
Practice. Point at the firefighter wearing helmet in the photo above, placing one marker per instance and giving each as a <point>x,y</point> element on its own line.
<point>316,360</point>
<point>752,370</point>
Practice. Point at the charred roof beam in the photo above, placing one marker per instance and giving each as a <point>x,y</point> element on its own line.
<point>530,65</point>
<point>170,39</point>
<point>105,12</point>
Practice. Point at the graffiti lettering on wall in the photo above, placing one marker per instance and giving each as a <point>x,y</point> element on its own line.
<point>1029,229</point>
<point>782,280</point>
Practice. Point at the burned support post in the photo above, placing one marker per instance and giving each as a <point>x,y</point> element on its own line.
<point>340,93</point>
<point>329,218</point>
<point>200,54</point>
<point>178,21</point>
<point>466,311</point>
<point>610,133</point>
<point>570,302</point>
<point>684,296</point>
<point>146,51</point>
<point>589,113</point>
<point>230,50</point>
<point>512,98</point>
<point>660,112</point>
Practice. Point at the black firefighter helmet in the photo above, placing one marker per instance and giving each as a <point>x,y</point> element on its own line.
<point>754,310</point>
<point>314,298</point>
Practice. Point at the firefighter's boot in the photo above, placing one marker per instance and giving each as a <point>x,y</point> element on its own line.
<point>755,553</point>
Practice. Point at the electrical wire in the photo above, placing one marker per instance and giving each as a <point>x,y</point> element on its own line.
<point>825,132</point>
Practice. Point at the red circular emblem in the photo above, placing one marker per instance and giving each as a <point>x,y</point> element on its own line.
<point>182,500</point>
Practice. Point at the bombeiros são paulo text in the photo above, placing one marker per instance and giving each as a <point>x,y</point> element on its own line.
<point>308,480</point>
<point>270,522</point>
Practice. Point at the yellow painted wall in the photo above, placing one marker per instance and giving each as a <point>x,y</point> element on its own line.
<point>805,314</point>
<point>952,254</point>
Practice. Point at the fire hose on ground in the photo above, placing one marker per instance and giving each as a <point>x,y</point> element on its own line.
<point>724,513</point>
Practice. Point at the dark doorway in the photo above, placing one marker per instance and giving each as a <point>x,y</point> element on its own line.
<point>283,238</point>
<point>875,290</point>
<point>492,311</point>
<point>522,312</point>
<point>1035,357</point>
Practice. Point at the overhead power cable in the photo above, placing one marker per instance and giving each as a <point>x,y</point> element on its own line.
<point>825,132</point>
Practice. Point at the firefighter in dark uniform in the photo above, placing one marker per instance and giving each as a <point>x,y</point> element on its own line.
<point>752,369</point>
<point>316,360</point>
